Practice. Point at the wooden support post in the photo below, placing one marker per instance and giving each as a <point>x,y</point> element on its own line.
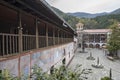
<point>20,33</point>
<point>36,24</point>
<point>58,36</point>
<point>53,36</point>
<point>3,42</point>
<point>64,37</point>
<point>46,35</point>
<point>61,37</point>
<point>20,46</point>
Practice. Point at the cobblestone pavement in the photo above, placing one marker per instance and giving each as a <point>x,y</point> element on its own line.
<point>80,58</point>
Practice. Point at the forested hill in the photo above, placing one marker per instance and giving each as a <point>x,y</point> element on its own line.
<point>70,19</point>
<point>86,15</point>
<point>106,21</point>
<point>99,22</point>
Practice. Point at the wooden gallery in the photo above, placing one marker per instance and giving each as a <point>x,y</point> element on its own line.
<point>31,33</point>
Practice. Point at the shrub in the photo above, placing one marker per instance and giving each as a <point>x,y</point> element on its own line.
<point>105,78</point>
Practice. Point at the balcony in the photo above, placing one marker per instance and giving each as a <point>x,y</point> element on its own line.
<point>10,43</point>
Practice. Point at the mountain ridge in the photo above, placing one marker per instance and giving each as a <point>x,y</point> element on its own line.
<point>117,11</point>
<point>99,22</point>
<point>89,15</point>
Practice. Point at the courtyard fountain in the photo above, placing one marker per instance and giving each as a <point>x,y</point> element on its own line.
<point>90,57</point>
<point>97,65</point>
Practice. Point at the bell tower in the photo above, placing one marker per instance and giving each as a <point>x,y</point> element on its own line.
<point>79,27</point>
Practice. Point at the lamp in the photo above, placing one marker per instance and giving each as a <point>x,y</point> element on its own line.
<point>65,25</point>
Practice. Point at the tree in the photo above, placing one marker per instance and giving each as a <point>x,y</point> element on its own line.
<point>114,41</point>
<point>88,23</point>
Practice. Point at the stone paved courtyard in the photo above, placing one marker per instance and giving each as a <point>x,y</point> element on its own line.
<point>80,58</point>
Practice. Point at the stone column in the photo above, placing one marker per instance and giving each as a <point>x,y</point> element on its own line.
<point>100,38</point>
<point>94,38</point>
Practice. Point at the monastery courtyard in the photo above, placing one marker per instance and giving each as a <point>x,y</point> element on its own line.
<point>80,58</point>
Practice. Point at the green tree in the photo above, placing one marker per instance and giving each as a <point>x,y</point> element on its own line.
<point>89,23</point>
<point>114,41</point>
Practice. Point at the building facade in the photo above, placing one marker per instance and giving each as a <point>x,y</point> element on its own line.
<point>31,33</point>
<point>96,37</point>
<point>93,38</point>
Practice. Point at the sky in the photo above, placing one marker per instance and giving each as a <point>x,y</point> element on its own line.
<point>89,6</point>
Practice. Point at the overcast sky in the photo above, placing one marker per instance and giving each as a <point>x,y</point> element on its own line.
<point>90,6</point>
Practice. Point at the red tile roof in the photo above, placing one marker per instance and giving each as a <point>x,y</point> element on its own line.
<point>97,30</point>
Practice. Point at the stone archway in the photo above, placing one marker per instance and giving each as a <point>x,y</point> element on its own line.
<point>91,45</point>
<point>97,45</point>
<point>86,45</point>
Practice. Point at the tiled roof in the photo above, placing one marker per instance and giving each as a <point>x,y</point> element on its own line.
<point>97,30</point>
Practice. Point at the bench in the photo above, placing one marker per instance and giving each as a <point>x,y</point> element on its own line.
<point>110,58</point>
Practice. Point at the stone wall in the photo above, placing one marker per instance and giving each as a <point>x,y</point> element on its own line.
<point>45,58</point>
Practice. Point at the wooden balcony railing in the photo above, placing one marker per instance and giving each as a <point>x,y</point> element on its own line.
<point>56,40</point>
<point>29,42</point>
<point>42,41</point>
<point>10,44</point>
<point>50,41</point>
